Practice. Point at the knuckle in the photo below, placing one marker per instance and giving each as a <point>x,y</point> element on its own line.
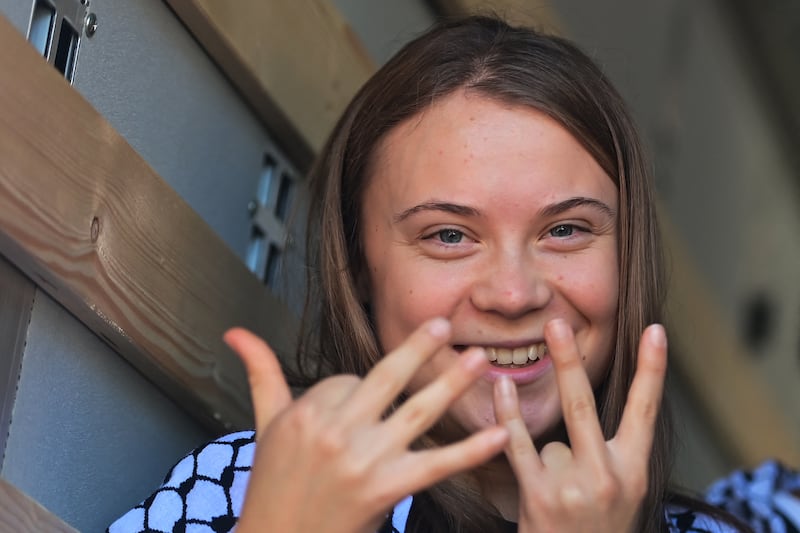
<point>415,415</point>
<point>583,408</point>
<point>302,416</point>
<point>607,490</point>
<point>572,498</point>
<point>519,447</point>
<point>354,472</point>
<point>647,410</point>
<point>331,441</point>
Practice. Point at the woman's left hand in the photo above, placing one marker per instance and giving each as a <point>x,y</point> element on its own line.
<point>593,484</point>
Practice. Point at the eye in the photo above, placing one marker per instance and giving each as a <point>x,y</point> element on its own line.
<point>562,230</point>
<point>450,236</point>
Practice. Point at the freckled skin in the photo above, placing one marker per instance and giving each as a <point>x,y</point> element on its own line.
<point>511,272</point>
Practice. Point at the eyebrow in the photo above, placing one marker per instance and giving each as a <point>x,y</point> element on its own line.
<point>447,207</point>
<point>579,201</point>
<point>548,211</point>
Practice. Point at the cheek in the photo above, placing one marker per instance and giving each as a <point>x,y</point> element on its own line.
<point>594,289</point>
<point>405,295</point>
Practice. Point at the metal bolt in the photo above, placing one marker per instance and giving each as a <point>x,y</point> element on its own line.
<point>90,24</point>
<point>252,207</point>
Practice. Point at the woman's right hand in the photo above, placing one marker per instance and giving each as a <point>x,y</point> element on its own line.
<point>329,461</point>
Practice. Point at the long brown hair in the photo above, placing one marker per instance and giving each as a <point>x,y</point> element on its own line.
<point>516,66</point>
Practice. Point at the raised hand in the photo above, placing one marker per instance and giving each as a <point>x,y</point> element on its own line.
<point>594,484</point>
<point>330,461</point>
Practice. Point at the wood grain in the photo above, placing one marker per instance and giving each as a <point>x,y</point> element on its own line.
<point>296,62</point>
<point>21,514</point>
<point>92,224</point>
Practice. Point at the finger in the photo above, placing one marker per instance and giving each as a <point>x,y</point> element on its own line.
<point>332,392</point>
<point>520,450</point>
<point>575,390</point>
<point>389,377</point>
<point>644,398</point>
<point>268,387</point>
<point>556,456</point>
<point>419,470</point>
<point>424,408</point>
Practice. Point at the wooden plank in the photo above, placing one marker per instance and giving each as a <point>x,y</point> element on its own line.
<point>91,223</point>
<point>539,15</point>
<point>21,514</point>
<point>296,62</point>
<point>16,300</point>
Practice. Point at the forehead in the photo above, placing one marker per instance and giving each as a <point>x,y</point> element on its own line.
<point>468,141</point>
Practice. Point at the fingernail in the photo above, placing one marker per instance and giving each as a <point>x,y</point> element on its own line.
<point>657,336</point>
<point>475,358</point>
<point>439,327</point>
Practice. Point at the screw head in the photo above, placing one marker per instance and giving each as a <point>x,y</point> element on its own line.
<point>90,25</point>
<point>252,207</point>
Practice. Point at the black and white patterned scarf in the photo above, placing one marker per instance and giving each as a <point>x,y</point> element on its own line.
<point>204,492</point>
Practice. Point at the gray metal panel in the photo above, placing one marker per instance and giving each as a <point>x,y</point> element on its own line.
<point>90,437</point>
<point>16,299</point>
<point>146,74</point>
<point>18,13</point>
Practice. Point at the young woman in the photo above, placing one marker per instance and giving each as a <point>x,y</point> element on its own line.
<point>483,215</point>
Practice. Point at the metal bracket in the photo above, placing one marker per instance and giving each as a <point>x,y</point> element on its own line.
<point>55,31</point>
<point>268,215</point>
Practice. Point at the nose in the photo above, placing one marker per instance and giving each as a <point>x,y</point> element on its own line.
<point>512,285</point>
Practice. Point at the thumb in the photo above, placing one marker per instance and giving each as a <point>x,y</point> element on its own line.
<point>268,386</point>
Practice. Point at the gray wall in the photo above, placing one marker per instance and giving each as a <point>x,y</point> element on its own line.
<point>90,437</point>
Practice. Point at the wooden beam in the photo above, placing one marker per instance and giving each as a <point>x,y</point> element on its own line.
<point>21,514</point>
<point>92,224</point>
<point>16,299</point>
<point>539,15</point>
<point>296,62</point>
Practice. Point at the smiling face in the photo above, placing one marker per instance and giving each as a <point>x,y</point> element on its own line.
<point>495,217</point>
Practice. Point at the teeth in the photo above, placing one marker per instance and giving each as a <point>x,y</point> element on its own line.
<point>504,356</point>
<point>516,356</point>
<point>533,352</point>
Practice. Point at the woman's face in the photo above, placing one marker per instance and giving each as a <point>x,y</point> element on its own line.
<point>495,217</point>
